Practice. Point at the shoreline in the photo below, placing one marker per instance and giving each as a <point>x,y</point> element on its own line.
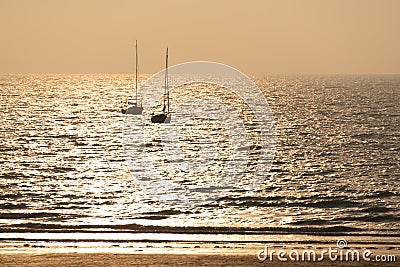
<point>188,247</point>
<point>153,253</point>
<point>183,243</point>
<point>145,259</point>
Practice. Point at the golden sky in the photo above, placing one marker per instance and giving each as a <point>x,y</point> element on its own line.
<point>254,36</point>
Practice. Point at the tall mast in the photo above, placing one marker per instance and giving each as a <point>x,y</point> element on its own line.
<point>166,80</point>
<point>136,74</point>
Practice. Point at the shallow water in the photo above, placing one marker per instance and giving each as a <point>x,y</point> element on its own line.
<point>336,167</point>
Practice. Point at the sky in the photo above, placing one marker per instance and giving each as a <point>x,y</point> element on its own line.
<point>258,37</point>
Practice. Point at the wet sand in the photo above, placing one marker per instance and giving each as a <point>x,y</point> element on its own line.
<point>179,254</point>
<point>112,259</point>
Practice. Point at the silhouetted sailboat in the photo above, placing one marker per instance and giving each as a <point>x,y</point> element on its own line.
<point>165,116</point>
<point>133,106</point>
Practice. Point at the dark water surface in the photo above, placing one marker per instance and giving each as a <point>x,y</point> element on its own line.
<point>336,169</point>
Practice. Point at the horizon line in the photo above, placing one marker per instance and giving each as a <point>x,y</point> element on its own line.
<point>253,74</point>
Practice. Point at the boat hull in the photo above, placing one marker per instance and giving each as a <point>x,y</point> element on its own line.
<point>161,118</point>
<point>134,110</point>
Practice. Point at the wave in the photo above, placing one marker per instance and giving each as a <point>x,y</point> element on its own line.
<point>137,228</point>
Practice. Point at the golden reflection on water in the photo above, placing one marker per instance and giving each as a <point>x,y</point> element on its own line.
<point>63,162</point>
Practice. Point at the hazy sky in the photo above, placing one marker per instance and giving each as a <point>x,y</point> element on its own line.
<point>257,37</point>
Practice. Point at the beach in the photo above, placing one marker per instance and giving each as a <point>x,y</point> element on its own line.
<point>112,259</point>
<point>192,254</point>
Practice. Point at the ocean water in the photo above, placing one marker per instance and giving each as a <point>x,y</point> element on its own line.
<point>65,164</point>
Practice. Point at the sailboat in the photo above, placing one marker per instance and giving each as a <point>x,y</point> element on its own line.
<point>133,106</point>
<point>164,116</point>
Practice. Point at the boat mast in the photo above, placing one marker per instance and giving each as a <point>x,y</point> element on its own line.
<point>166,80</point>
<point>136,74</point>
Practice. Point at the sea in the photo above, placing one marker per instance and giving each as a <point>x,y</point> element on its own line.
<point>67,173</point>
